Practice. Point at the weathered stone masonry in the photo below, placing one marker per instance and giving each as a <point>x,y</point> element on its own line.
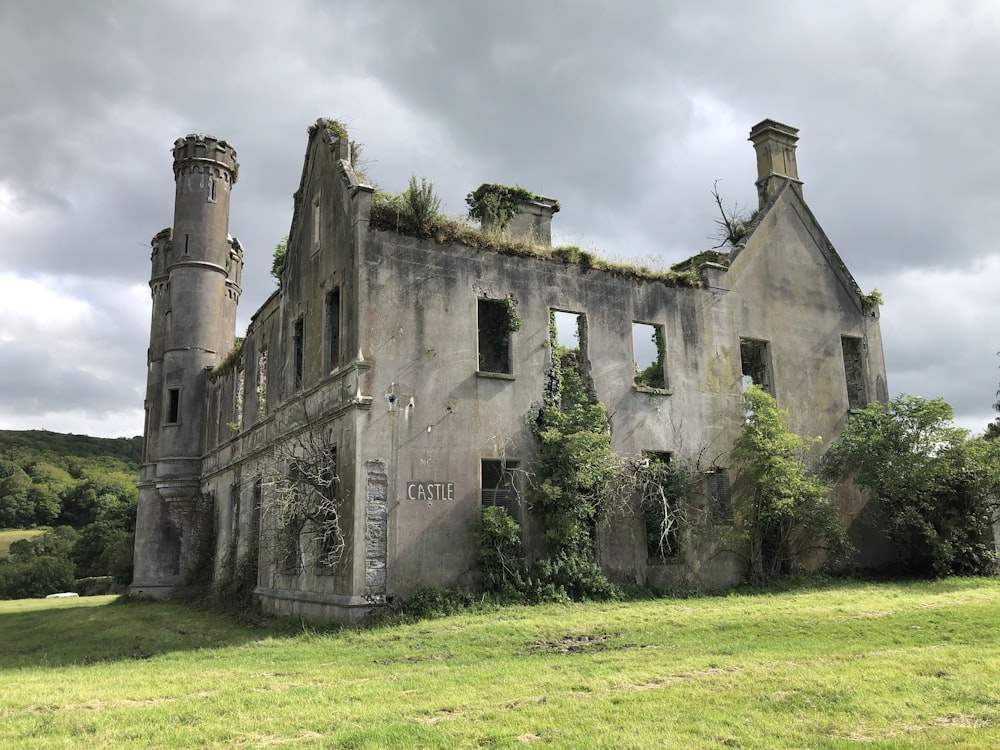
<point>382,349</point>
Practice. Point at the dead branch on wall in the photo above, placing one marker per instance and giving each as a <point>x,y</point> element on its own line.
<point>302,505</point>
<point>664,493</point>
<point>732,227</point>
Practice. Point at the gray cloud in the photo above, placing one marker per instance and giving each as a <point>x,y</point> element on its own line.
<point>626,112</point>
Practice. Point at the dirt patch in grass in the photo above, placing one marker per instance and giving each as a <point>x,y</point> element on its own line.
<point>415,659</point>
<point>962,721</point>
<point>674,679</point>
<point>576,644</point>
<point>446,715</point>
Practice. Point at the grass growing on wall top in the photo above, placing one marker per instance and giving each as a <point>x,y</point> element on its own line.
<point>828,666</point>
<point>386,215</point>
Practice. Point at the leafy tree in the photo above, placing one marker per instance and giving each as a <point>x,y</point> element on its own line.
<point>935,488</point>
<point>105,546</point>
<point>784,510</point>
<point>16,508</point>
<point>501,560</point>
<point>38,566</point>
<point>992,430</point>
<point>575,462</point>
<point>278,261</point>
<point>95,489</point>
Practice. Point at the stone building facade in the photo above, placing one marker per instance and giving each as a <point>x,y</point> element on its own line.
<point>377,371</point>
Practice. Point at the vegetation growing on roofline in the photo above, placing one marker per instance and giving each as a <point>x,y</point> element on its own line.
<point>496,205</point>
<point>336,126</point>
<point>230,362</point>
<point>389,214</point>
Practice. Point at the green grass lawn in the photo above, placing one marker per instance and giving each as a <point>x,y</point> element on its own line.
<point>7,536</point>
<point>842,665</point>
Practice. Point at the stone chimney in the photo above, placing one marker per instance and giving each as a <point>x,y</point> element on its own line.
<point>775,146</point>
<point>533,221</point>
<point>516,213</point>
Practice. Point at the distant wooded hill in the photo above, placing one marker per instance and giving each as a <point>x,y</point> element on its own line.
<point>127,450</point>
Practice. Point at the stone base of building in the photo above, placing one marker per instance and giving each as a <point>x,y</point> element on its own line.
<point>347,610</point>
<point>158,591</point>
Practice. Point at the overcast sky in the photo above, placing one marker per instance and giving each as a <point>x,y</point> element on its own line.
<point>627,112</point>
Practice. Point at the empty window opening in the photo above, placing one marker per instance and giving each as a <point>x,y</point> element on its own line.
<point>754,361</point>
<point>238,396</point>
<point>316,220</point>
<point>566,330</point>
<point>568,381</point>
<point>719,495</point>
<point>331,537</point>
<point>187,242</point>
<point>211,191</point>
<point>649,352</point>
<point>253,529</point>
<point>499,487</point>
<point>333,329</point>
<point>297,332</point>
<point>661,506</point>
<point>854,371</point>
<point>262,382</point>
<point>173,405</point>
<point>290,551</point>
<point>497,321</point>
<point>234,520</point>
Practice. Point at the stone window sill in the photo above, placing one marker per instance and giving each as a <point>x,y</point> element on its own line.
<point>651,391</point>
<point>495,375</point>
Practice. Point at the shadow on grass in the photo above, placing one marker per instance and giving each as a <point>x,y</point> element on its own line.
<point>96,630</point>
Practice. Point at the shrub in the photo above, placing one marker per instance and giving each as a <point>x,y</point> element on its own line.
<point>935,489</point>
<point>420,204</point>
<point>786,510</point>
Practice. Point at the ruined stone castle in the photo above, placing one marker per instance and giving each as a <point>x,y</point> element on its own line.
<point>384,372</point>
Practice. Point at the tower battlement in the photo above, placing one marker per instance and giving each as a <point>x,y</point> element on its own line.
<point>205,153</point>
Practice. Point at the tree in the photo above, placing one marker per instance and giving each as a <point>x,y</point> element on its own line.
<point>38,566</point>
<point>278,261</point>
<point>105,546</point>
<point>935,488</point>
<point>785,510</point>
<point>96,488</point>
<point>16,508</point>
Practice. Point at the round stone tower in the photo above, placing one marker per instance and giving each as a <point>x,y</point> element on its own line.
<point>195,283</point>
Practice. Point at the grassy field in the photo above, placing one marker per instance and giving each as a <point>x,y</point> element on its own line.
<point>842,665</point>
<point>12,535</point>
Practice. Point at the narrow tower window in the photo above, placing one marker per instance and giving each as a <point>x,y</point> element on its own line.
<point>854,371</point>
<point>211,191</point>
<point>262,382</point>
<point>297,334</point>
<point>173,405</point>
<point>316,221</point>
<point>238,399</point>
<point>333,329</point>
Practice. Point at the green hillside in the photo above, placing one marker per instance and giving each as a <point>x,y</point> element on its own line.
<point>57,444</point>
